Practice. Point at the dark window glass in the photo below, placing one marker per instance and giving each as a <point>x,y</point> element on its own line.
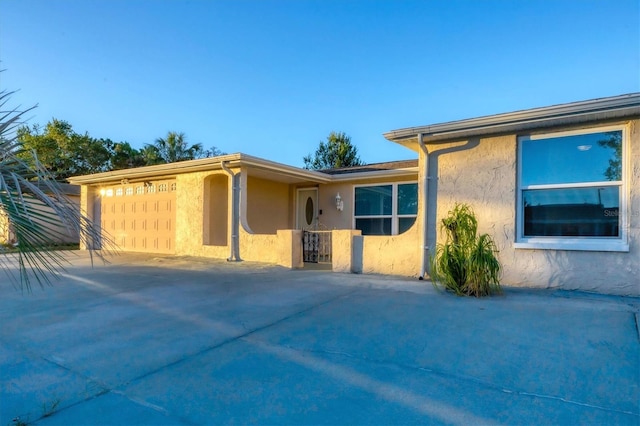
<point>374,200</point>
<point>572,212</point>
<point>408,198</point>
<point>377,226</point>
<point>404,223</point>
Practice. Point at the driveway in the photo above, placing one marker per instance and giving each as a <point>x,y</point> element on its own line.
<point>151,340</point>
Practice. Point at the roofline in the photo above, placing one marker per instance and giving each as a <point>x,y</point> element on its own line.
<point>233,161</point>
<point>571,113</point>
<point>409,171</point>
<point>203,164</point>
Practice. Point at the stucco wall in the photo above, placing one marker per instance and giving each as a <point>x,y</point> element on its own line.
<point>5,236</point>
<point>268,206</point>
<point>283,248</point>
<point>482,173</point>
<point>190,216</point>
<point>393,255</point>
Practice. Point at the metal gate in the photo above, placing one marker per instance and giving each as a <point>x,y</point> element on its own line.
<point>316,246</point>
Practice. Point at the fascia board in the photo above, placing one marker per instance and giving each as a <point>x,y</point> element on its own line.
<point>577,112</point>
<point>160,170</point>
<point>375,174</point>
<point>204,164</point>
<point>283,169</point>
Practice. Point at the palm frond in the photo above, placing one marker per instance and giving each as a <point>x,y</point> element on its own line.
<point>39,213</point>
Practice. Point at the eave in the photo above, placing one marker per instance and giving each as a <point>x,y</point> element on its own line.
<point>170,170</point>
<point>575,113</point>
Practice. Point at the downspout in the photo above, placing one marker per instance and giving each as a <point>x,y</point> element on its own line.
<point>424,269</point>
<point>234,249</point>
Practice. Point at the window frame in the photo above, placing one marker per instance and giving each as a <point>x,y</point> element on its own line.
<point>394,216</point>
<point>587,243</point>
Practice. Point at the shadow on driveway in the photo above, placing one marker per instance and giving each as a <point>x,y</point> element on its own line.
<point>165,340</point>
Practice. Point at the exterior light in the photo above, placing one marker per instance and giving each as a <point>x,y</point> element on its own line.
<point>339,203</point>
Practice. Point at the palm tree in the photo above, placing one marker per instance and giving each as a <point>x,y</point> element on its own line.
<point>171,149</point>
<point>32,201</point>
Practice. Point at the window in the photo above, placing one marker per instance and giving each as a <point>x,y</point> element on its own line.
<point>128,191</point>
<point>389,209</point>
<point>140,189</point>
<point>163,187</point>
<point>119,192</point>
<point>571,192</point>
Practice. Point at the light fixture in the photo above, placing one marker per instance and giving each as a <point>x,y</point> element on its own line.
<point>339,203</point>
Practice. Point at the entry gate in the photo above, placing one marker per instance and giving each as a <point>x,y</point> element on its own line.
<point>316,246</point>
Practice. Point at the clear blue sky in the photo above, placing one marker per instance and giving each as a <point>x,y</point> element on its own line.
<point>272,78</point>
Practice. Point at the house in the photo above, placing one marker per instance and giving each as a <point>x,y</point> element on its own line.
<point>557,187</point>
<point>58,232</point>
<point>239,207</point>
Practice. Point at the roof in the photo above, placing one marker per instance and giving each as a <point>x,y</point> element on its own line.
<point>255,166</point>
<point>65,188</point>
<point>615,107</point>
<point>389,165</point>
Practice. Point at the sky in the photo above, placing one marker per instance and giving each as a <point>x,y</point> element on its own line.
<point>272,78</point>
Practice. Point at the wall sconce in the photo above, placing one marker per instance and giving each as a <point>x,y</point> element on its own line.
<point>339,203</point>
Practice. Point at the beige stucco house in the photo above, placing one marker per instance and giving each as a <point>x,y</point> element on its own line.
<point>240,207</point>
<point>557,187</point>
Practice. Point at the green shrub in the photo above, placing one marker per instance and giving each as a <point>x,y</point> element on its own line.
<point>465,263</point>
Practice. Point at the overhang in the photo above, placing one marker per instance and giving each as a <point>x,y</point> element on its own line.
<point>254,165</point>
<point>575,113</point>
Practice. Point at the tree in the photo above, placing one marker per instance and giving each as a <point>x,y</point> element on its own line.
<point>171,149</point>
<point>336,152</point>
<point>31,199</point>
<point>123,155</point>
<point>62,151</point>
<point>614,142</point>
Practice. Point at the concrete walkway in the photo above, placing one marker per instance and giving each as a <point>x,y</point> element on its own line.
<point>180,341</point>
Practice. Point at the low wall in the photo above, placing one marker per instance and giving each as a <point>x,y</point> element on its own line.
<point>283,248</point>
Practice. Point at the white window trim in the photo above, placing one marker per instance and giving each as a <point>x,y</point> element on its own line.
<point>613,244</point>
<point>394,216</point>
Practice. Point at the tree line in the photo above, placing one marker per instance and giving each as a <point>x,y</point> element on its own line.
<point>63,152</point>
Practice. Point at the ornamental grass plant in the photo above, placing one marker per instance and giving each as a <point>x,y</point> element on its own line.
<point>465,263</point>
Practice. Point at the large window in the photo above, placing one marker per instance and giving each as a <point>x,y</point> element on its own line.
<point>389,209</point>
<point>571,192</point>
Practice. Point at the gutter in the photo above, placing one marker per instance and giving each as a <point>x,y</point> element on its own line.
<point>234,248</point>
<point>203,164</point>
<point>424,244</point>
<point>563,114</point>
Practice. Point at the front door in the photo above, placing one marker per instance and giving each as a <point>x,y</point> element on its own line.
<point>307,209</point>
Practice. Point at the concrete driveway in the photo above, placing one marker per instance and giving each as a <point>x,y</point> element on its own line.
<point>162,341</point>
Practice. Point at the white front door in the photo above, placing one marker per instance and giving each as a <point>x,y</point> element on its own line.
<point>307,209</point>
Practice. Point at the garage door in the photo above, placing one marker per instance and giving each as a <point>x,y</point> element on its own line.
<point>140,217</point>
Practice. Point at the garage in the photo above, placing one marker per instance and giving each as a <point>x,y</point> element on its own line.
<point>140,217</point>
